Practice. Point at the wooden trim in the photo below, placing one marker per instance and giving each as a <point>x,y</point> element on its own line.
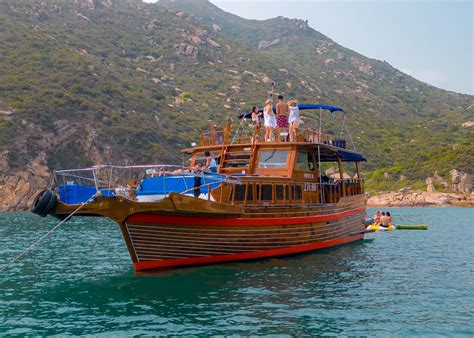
<point>145,265</point>
<point>238,221</point>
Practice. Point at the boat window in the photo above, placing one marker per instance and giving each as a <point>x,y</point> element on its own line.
<point>264,191</point>
<point>273,158</point>
<point>297,192</point>
<point>279,192</point>
<point>240,192</point>
<point>304,161</point>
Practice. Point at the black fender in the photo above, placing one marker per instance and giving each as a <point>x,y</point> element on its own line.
<point>43,203</point>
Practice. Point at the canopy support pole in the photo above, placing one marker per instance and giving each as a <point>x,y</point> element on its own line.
<point>341,175</point>
<point>320,125</point>
<point>320,176</point>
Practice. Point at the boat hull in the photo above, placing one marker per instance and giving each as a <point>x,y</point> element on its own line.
<point>161,240</point>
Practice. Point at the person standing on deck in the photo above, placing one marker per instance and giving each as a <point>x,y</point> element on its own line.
<point>294,120</point>
<point>256,124</point>
<point>282,111</point>
<point>269,121</point>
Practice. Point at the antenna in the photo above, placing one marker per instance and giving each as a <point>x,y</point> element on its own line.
<point>271,95</point>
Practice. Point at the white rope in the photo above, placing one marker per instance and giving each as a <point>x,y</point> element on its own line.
<point>46,235</point>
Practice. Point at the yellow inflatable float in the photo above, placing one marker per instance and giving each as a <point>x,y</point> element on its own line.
<point>376,227</point>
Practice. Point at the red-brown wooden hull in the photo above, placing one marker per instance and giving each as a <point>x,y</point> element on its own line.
<point>159,241</point>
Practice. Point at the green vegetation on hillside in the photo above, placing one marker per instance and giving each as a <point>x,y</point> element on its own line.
<point>136,82</point>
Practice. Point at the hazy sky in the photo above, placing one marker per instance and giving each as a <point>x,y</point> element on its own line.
<point>430,40</point>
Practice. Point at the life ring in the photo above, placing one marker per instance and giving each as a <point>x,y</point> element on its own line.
<point>43,203</point>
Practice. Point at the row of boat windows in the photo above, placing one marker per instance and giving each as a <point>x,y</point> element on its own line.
<point>264,192</point>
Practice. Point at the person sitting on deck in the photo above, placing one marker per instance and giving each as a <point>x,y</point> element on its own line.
<point>294,120</point>
<point>197,179</point>
<point>282,111</point>
<point>211,163</point>
<point>270,121</point>
<point>389,218</point>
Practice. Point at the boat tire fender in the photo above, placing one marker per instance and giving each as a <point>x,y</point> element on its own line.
<point>43,203</point>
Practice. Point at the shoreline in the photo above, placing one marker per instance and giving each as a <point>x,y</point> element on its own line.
<point>421,199</point>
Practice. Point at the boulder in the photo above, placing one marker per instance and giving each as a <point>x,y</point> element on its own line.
<point>430,185</point>
<point>213,43</point>
<point>465,184</point>
<point>266,79</point>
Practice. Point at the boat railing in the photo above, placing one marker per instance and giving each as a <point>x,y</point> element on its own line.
<point>217,137</point>
<point>263,191</point>
<point>158,180</point>
<point>78,185</point>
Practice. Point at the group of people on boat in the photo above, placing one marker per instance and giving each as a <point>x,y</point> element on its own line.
<point>380,218</point>
<point>286,116</point>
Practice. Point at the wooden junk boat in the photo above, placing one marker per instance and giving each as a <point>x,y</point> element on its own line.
<point>265,199</point>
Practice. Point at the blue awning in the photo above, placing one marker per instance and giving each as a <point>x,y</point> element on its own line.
<point>332,109</point>
<point>347,155</point>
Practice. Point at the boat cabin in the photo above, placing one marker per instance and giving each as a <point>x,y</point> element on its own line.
<point>283,172</point>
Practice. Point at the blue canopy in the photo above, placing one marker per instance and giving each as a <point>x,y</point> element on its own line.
<point>332,109</point>
<point>347,155</point>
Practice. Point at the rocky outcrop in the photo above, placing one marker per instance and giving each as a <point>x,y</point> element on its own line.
<point>410,198</point>
<point>186,50</point>
<point>263,44</point>
<point>461,182</point>
<point>19,191</point>
<point>93,4</point>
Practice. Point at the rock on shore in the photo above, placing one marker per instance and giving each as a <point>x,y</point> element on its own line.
<point>421,199</point>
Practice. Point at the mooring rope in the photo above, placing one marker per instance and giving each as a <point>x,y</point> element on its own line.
<point>46,235</point>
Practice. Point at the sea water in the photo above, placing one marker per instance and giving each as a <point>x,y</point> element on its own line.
<point>80,281</point>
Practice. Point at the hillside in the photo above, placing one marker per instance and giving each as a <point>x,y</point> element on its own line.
<point>98,81</point>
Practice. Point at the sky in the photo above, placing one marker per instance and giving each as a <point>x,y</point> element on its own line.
<point>429,40</point>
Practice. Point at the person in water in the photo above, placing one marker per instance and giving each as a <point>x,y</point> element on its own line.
<point>269,121</point>
<point>368,220</point>
<point>282,111</point>
<point>384,220</point>
<point>377,217</point>
<point>294,120</point>
<point>211,163</point>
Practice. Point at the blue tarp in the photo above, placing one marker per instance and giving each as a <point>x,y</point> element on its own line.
<point>332,109</point>
<point>76,193</point>
<point>165,184</point>
<point>347,155</point>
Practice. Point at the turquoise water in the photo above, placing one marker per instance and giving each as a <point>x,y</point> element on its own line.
<point>81,282</point>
